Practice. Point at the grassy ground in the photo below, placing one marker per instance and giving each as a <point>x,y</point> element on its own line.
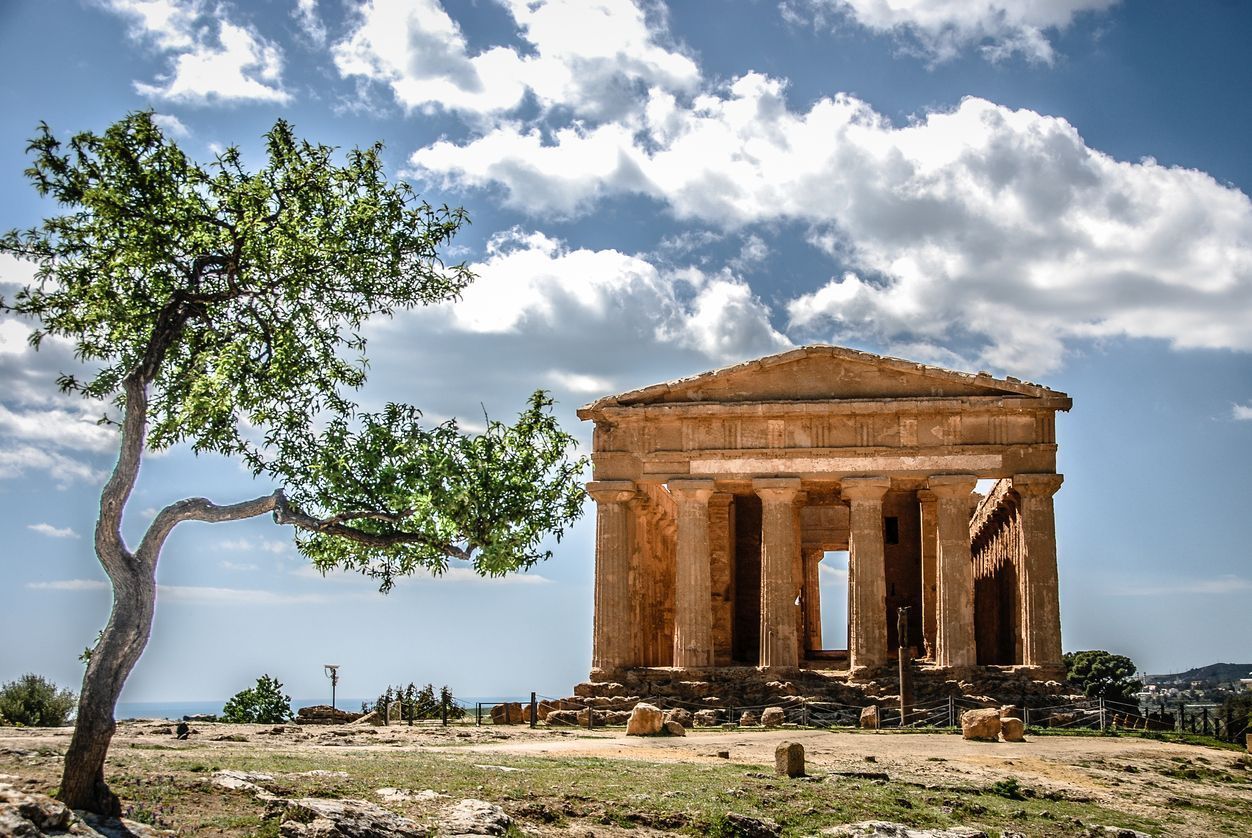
<point>577,783</point>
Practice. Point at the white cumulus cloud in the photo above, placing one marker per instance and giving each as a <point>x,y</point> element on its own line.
<point>943,29</point>
<point>996,232</point>
<point>589,56</point>
<point>212,59</point>
<point>1242,412</point>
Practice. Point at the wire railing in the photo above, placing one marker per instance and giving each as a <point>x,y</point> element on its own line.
<point>1096,714</point>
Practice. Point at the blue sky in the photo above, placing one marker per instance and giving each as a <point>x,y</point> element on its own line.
<point>1059,194</point>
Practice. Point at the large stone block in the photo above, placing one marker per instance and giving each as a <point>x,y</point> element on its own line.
<point>680,715</point>
<point>869,718</point>
<point>789,759</point>
<point>1013,730</point>
<point>981,725</point>
<point>773,717</point>
<point>645,720</point>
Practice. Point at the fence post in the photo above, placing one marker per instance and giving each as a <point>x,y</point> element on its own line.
<point>443,709</point>
<point>1025,715</point>
<point>534,711</point>
<point>1182,717</point>
<point>1205,713</point>
<point>1103,720</point>
<point>804,715</point>
<point>951,712</point>
<point>478,713</point>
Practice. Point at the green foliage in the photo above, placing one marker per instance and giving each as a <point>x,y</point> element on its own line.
<point>418,704</point>
<point>263,704</point>
<point>1102,674</point>
<point>238,298</point>
<point>1238,708</point>
<point>500,491</point>
<point>1007,788</point>
<point>34,701</point>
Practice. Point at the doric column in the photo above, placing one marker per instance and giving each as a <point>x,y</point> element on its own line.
<point>930,553</point>
<point>611,635</point>
<point>693,590</point>
<point>954,619</point>
<point>779,547</point>
<point>1040,601</point>
<point>812,601</point>
<point>867,575</point>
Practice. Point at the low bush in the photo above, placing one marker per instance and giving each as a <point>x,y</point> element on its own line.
<point>264,704</point>
<point>34,701</point>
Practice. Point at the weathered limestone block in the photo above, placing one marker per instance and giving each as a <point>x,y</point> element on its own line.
<point>474,817</point>
<point>773,717</point>
<point>1010,711</point>
<point>1012,729</point>
<point>645,720</point>
<point>981,725</point>
<point>789,759</point>
<point>561,718</point>
<point>675,729</point>
<point>707,718</point>
<point>782,688</point>
<point>749,719</point>
<point>746,827</point>
<point>311,816</point>
<point>323,714</point>
<point>681,716</point>
<point>509,713</point>
<point>869,718</point>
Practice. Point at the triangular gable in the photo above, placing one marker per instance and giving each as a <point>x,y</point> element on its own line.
<point>824,373</point>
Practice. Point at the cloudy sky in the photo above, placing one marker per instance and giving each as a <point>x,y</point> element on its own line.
<point>1056,190</point>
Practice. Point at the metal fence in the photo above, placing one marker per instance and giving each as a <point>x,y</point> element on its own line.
<point>1095,714</point>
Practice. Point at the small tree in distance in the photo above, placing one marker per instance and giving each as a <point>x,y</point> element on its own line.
<point>1102,674</point>
<point>264,704</point>
<point>34,701</point>
<point>223,308</point>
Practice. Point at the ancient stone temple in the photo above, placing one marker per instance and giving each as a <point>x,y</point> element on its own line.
<point>718,497</point>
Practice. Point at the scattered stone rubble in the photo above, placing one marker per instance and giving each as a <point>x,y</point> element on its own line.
<point>324,714</point>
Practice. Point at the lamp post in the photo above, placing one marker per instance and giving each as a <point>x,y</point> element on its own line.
<point>332,672</point>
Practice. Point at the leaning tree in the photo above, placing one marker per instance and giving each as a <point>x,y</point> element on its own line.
<point>222,308</point>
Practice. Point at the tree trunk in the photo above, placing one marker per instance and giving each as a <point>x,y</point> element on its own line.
<point>123,641</point>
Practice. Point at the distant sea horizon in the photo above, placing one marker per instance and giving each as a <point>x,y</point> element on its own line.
<point>213,706</point>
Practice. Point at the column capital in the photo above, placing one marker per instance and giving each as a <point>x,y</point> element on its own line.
<point>611,491</point>
<point>1039,485</point>
<point>691,489</point>
<point>926,496</point>
<point>777,488</point>
<point>865,488</point>
<point>951,485</point>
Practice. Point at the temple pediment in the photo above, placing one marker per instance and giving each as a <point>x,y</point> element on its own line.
<point>823,373</point>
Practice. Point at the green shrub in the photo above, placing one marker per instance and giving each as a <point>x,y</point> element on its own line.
<point>263,704</point>
<point>34,701</point>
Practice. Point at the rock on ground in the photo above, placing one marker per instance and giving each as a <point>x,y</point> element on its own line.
<point>474,817</point>
<point>742,826</point>
<point>315,817</point>
<point>32,815</point>
<point>869,717</point>
<point>1013,730</point>
<point>680,715</point>
<point>645,720</point>
<point>789,759</point>
<point>886,829</point>
<point>675,729</point>
<point>773,717</point>
<point>981,725</point>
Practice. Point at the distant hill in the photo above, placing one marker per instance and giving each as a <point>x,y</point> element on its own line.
<point>1214,672</point>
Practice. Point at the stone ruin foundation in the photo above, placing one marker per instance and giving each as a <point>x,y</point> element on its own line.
<point>719,496</point>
